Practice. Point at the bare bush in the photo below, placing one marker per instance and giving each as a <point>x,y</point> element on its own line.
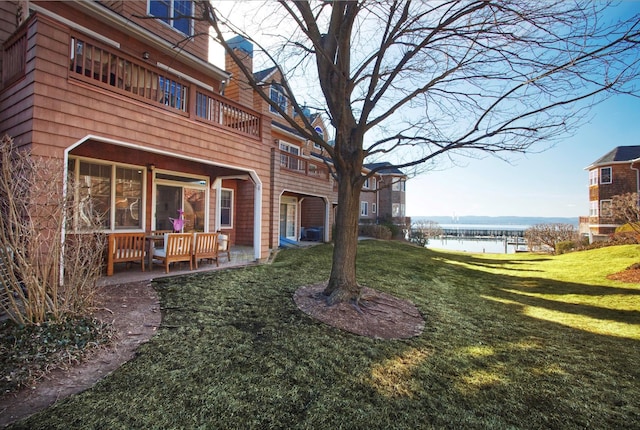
<point>33,251</point>
<point>545,237</point>
<point>423,231</point>
<point>625,208</point>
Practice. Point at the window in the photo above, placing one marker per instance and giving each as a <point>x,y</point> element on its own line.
<point>364,208</point>
<point>605,208</point>
<point>320,132</point>
<point>605,175</point>
<point>593,208</point>
<point>366,184</point>
<point>226,208</point>
<point>287,161</point>
<point>176,13</point>
<point>397,210</point>
<point>374,208</point>
<point>108,194</point>
<point>398,184</point>
<point>593,177</point>
<point>277,95</point>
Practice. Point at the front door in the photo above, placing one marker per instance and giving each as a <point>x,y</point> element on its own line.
<point>288,214</point>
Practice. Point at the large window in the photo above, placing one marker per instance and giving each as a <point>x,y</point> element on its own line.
<point>277,95</point>
<point>605,175</point>
<point>176,13</point>
<point>226,208</point>
<point>593,177</point>
<point>107,194</point>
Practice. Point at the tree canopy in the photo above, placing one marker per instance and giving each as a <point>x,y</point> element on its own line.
<point>416,83</point>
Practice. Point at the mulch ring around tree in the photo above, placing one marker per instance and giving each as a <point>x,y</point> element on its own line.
<point>377,315</point>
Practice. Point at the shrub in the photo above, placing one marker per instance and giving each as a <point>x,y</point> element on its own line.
<point>377,231</point>
<point>565,246</point>
<point>33,207</point>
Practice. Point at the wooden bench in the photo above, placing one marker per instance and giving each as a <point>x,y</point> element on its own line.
<point>205,247</point>
<point>125,248</point>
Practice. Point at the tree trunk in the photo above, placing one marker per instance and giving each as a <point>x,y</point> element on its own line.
<point>342,285</point>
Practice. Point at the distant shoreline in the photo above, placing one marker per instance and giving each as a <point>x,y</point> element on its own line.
<point>496,220</point>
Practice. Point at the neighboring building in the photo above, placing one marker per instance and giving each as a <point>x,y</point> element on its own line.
<point>615,173</point>
<point>389,197</point>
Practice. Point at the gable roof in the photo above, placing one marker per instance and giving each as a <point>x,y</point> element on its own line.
<point>619,154</point>
<point>387,168</point>
<point>263,74</point>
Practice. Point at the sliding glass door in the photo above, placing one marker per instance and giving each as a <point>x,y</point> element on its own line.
<point>175,193</point>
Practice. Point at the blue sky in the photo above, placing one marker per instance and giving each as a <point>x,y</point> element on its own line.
<point>551,183</point>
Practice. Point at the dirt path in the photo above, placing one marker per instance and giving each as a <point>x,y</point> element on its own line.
<point>135,313</point>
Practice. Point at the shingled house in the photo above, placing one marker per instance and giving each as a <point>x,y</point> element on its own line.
<point>615,173</point>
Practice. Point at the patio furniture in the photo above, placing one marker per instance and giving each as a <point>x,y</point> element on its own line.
<point>205,247</point>
<point>223,246</point>
<point>177,247</point>
<point>125,248</point>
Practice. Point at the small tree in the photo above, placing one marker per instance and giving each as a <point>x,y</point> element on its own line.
<point>33,209</point>
<point>423,231</point>
<point>546,236</point>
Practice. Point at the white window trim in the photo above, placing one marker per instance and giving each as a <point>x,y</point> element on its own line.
<point>374,208</point>
<point>610,175</point>
<point>230,226</point>
<point>114,166</point>
<point>609,201</point>
<point>593,177</point>
<point>364,208</point>
<point>162,181</point>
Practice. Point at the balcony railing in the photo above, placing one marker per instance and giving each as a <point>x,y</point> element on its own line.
<point>304,166</point>
<point>98,65</point>
<point>14,55</point>
<point>217,110</point>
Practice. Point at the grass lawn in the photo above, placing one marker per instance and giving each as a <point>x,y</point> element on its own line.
<point>511,341</point>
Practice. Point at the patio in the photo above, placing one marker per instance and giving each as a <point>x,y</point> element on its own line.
<point>124,274</point>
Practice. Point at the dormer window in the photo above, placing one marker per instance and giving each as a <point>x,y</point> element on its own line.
<point>176,13</point>
<point>277,95</point>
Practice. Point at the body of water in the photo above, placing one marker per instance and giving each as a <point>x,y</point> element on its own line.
<point>477,245</point>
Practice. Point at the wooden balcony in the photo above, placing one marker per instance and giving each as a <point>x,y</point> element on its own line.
<point>297,165</point>
<point>104,67</point>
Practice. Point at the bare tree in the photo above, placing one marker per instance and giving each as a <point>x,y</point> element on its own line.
<point>625,208</point>
<point>546,236</point>
<point>417,83</point>
<point>423,231</point>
